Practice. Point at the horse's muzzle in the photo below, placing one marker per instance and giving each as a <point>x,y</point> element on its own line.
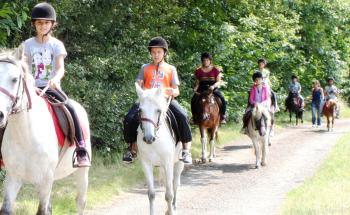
<point>149,139</point>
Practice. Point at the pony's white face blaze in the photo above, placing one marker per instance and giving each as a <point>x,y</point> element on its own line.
<point>150,113</point>
<point>152,105</point>
<point>9,81</point>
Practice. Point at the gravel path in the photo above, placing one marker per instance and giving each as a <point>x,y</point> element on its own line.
<point>231,185</point>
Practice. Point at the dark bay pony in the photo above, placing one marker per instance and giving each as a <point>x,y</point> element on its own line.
<point>329,111</point>
<point>293,105</point>
<point>208,120</point>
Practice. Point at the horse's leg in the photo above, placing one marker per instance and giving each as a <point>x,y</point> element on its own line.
<point>178,168</point>
<point>12,187</point>
<point>169,190</point>
<point>296,118</point>
<point>44,195</point>
<point>328,123</point>
<point>204,144</point>
<point>257,152</point>
<point>290,117</point>
<point>212,144</point>
<point>265,149</point>
<point>148,170</point>
<point>332,123</point>
<point>301,117</point>
<point>82,179</point>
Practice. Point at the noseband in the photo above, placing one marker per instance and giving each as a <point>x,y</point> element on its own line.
<point>155,124</point>
<point>15,98</point>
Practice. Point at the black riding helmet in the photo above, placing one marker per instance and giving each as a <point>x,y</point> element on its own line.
<point>158,42</point>
<point>257,75</point>
<point>330,79</point>
<point>44,11</point>
<point>206,55</point>
<point>294,76</point>
<point>262,60</point>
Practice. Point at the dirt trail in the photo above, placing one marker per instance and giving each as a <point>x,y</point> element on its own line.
<point>231,185</point>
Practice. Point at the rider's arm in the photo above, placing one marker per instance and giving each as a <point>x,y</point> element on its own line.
<point>299,88</point>
<point>172,91</point>
<point>59,70</point>
<point>196,85</point>
<point>322,94</point>
<point>218,81</point>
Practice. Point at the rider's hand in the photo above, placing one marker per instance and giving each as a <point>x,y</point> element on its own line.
<point>53,83</point>
<point>169,91</point>
<point>211,88</point>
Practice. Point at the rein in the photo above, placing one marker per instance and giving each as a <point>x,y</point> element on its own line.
<point>15,98</point>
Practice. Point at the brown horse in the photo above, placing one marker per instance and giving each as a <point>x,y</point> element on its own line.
<point>329,111</point>
<point>208,120</point>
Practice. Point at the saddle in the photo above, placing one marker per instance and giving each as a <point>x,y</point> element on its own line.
<point>64,119</point>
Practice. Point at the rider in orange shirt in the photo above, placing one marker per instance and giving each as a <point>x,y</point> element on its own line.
<point>159,74</point>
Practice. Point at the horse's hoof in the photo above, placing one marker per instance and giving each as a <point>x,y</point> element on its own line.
<point>257,166</point>
<point>263,163</point>
<point>204,160</point>
<point>210,160</point>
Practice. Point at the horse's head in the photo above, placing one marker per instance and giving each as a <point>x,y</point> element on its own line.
<point>261,118</point>
<point>206,104</point>
<point>153,107</point>
<point>11,81</point>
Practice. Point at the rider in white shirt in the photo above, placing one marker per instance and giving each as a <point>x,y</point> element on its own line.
<point>331,92</point>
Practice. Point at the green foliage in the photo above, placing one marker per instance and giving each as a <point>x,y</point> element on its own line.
<point>13,15</point>
<point>106,43</point>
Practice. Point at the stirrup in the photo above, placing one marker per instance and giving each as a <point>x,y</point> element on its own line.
<point>75,162</point>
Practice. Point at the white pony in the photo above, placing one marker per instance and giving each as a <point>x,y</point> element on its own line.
<point>30,146</point>
<point>157,146</point>
<point>260,140</point>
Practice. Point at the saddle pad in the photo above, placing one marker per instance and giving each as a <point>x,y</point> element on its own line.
<point>59,132</point>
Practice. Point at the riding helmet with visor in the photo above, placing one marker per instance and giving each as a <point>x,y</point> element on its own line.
<point>44,11</point>
<point>158,42</point>
<point>257,75</point>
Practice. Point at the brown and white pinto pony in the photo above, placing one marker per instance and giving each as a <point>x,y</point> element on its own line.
<point>208,120</point>
<point>329,111</point>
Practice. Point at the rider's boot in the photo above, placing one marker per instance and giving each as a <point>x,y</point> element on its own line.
<point>131,154</point>
<point>82,156</point>
<point>186,154</point>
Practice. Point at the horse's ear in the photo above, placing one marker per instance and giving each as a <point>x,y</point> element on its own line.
<point>139,90</point>
<point>19,52</point>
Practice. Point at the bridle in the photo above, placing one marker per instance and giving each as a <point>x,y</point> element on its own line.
<point>15,98</point>
<point>155,124</point>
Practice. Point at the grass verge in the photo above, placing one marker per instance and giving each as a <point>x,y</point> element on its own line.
<point>328,191</point>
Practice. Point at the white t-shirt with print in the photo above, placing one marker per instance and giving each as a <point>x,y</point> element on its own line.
<point>42,58</point>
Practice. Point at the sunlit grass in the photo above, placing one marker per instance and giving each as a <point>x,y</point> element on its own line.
<point>328,191</point>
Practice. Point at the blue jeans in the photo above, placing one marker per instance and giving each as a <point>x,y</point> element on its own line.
<point>316,112</point>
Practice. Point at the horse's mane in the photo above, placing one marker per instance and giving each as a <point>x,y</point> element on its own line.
<point>261,110</point>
